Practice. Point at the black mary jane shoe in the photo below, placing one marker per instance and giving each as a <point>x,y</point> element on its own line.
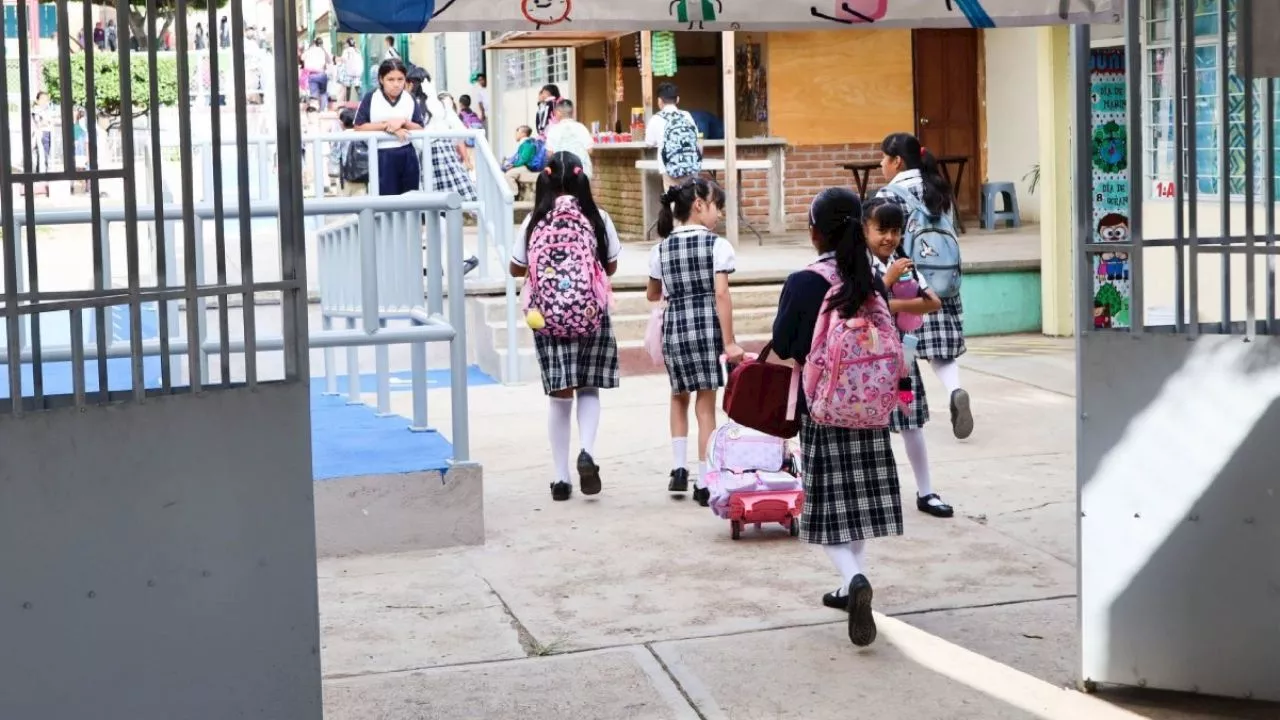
<point>862,624</point>
<point>561,491</point>
<point>939,510</point>
<point>679,481</point>
<point>836,601</point>
<point>702,496</point>
<point>588,474</point>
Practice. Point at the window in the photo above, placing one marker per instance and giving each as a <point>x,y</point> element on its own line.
<point>537,67</point>
<point>477,53</point>
<point>1160,98</point>
<point>48,21</point>
<point>442,63</point>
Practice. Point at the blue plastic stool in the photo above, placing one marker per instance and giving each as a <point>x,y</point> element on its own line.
<point>990,193</point>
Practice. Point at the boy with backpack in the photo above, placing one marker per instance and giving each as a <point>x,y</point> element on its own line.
<point>529,158</point>
<point>353,163</point>
<point>675,134</point>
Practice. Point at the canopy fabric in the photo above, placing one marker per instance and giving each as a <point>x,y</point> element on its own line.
<point>547,39</point>
<point>410,16</point>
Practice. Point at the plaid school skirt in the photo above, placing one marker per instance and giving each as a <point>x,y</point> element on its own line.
<point>850,485</point>
<point>587,362</point>
<point>447,172</point>
<point>915,415</point>
<point>942,335</point>
<point>692,344</point>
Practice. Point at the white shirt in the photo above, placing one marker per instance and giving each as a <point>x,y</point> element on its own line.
<point>724,259</point>
<point>315,59</point>
<point>571,136</point>
<point>520,251</point>
<point>656,129</point>
<point>482,100</point>
<point>376,107</point>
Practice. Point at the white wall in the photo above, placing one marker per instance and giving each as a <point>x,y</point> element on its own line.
<point>1013,131</point>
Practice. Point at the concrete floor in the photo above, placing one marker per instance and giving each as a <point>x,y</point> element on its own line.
<point>635,605</point>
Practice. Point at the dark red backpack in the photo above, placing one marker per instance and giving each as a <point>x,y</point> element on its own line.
<point>763,396</point>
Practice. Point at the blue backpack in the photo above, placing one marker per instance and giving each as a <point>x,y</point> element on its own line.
<point>681,156</point>
<point>931,243</point>
<point>539,161</point>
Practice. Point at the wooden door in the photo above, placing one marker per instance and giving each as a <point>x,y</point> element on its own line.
<point>946,90</point>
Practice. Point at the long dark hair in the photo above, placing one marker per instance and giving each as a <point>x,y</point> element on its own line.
<point>390,65</point>
<point>938,194</point>
<point>677,202</point>
<point>564,176</point>
<point>836,213</point>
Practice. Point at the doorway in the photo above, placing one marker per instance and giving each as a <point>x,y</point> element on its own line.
<point>946,100</point>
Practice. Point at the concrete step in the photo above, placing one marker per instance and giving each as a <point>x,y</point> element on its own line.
<point>632,302</point>
<point>746,321</point>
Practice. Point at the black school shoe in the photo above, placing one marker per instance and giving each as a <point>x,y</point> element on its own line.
<point>862,624</point>
<point>702,496</point>
<point>588,474</point>
<point>961,415</point>
<point>836,601</point>
<point>561,491</point>
<point>679,481</point>
<point>941,510</point>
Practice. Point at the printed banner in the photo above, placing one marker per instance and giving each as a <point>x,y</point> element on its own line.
<point>1111,289</point>
<point>402,16</point>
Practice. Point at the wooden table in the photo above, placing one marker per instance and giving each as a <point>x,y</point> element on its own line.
<point>862,177</point>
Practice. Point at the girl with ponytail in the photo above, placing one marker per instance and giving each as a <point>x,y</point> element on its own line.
<point>850,476</point>
<point>911,167</point>
<point>690,270</point>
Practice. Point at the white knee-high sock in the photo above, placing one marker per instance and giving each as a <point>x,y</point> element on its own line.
<point>679,452</point>
<point>918,454</point>
<point>588,418</point>
<point>558,431</point>
<point>948,371</point>
<point>846,558</point>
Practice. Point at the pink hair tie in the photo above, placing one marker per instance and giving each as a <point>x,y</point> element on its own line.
<point>547,170</point>
<point>577,170</point>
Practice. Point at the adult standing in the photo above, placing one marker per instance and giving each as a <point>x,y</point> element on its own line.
<point>910,167</point>
<point>390,52</point>
<point>202,39</point>
<point>390,110</point>
<point>481,96</point>
<point>112,36</point>
<point>315,61</point>
<point>569,135</point>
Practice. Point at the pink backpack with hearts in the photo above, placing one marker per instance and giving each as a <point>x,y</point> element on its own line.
<point>566,281</point>
<point>851,374</point>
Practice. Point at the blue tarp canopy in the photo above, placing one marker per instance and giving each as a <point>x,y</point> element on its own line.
<point>384,16</point>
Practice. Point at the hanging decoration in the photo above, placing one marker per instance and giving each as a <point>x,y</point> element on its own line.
<point>752,83</point>
<point>619,93</point>
<point>664,54</point>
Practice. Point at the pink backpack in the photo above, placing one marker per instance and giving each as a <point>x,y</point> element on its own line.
<point>737,449</point>
<point>852,371</point>
<point>566,281</point>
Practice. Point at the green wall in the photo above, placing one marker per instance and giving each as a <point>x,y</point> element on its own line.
<point>1001,302</point>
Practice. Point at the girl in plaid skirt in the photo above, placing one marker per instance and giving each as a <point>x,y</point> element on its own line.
<point>690,269</point>
<point>443,156</point>
<point>574,367</point>
<point>907,164</point>
<point>883,221</point>
<point>850,477</point>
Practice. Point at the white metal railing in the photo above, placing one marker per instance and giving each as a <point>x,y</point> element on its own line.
<point>379,250</point>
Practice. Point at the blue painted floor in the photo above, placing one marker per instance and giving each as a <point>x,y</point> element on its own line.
<point>346,440</point>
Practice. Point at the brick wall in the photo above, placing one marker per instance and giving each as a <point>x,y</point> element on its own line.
<point>813,168</point>
<point>616,185</point>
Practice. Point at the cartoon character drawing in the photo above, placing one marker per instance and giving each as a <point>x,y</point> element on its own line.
<point>546,12</point>
<point>853,12</point>
<point>973,12</point>
<point>1101,316</point>
<point>704,11</point>
<point>1113,228</point>
<point>442,8</point>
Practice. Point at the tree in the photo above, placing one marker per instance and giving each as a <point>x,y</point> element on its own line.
<point>166,14</point>
<point>106,82</point>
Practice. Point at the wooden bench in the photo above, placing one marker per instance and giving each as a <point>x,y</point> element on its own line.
<point>716,166</point>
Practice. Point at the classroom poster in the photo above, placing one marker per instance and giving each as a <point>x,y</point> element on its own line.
<point>1110,160</point>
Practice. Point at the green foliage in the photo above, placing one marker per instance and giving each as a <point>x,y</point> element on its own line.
<point>1109,297</point>
<point>106,82</point>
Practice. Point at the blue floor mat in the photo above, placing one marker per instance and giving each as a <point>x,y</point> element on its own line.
<point>351,440</point>
<point>403,381</point>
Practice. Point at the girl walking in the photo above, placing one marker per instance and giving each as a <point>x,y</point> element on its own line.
<point>390,110</point>
<point>443,155</point>
<point>883,221</point>
<point>690,269</point>
<point>908,166</point>
<point>850,478</point>
<point>567,248</point>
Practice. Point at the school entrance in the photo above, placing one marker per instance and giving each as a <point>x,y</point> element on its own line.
<point>157,536</point>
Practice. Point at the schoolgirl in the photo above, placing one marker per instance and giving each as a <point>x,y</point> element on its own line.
<point>908,165</point>
<point>850,477</point>
<point>390,110</point>
<point>690,269</point>
<point>576,367</point>
<point>883,221</point>
<point>443,155</point>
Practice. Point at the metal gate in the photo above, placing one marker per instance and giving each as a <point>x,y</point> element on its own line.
<point>1179,359</point>
<point>156,524</point>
